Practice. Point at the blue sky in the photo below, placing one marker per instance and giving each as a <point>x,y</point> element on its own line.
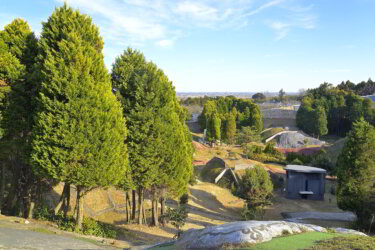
<point>223,45</point>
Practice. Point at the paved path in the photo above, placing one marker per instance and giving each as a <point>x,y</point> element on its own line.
<point>296,216</point>
<point>18,239</point>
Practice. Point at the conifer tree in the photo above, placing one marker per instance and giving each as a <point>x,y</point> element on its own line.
<point>21,46</point>
<point>159,147</point>
<point>231,128</point>
<point>356,173</point>
<point>80,130</point>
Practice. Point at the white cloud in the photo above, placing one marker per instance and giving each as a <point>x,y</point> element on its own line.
<point>140,21</point>
<point>297,17</point>
<point>165,43</point>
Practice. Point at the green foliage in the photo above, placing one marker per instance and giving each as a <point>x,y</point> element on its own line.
<point>90,226</point>
<point>177,217</point>
<point>79,132</point>
<point>252,212</point>
<point>257,189</point>
<point>227,109</point>
<point>259,97</point>
<point>247,134</point>
<point>356,173</point>
<point>267,154</point>
<point>341,109</point>
<point>160,149</point>
<point>363,88</point>
<point>97,228</point>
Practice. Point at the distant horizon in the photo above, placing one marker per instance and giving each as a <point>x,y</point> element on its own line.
<point>219,45</point>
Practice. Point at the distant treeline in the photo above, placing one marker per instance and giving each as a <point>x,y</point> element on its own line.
<point>332,110</point>
<point>221,117</point>
<point>363,88</point>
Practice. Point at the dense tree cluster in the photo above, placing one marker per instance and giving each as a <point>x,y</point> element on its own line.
<point>331,110</point>
<point>223,115</point>
<point>363,88</point>
<point>62,122</point>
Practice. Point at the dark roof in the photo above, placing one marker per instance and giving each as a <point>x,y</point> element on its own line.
<point>304,169</point>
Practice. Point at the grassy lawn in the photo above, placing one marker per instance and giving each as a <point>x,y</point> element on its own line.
<point>298,241</point>
<point>348,242</point>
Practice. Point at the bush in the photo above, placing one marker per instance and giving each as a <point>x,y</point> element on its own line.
<point>302,159</point>
<point>42,213</point>
<point>257,191</point>
<point>252,213</point>
<point>100,229</point>
<point>177,217</point>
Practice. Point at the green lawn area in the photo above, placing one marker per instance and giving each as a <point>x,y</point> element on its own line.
<point>298,241</point>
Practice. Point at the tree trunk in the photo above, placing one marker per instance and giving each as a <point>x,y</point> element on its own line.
<point>154,220</point>
<point>134,206</point>
<point>79,216</point>
<point>144,212</point>
<point>66,200</point>
<point>127,218</point>
<point>2,187</point>
<point>31,210</point>
<point>162,206</point>
<point>140,205</point>
<point>61,201</point>
<point>162,210</point>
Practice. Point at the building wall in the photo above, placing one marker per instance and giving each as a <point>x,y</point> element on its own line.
<point>297,182</point>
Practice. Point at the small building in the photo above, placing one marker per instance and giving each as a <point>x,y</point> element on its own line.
<point>305,182</point>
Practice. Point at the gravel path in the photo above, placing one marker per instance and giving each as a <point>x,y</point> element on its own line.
<point>16,239</point>
<point>296,216</point>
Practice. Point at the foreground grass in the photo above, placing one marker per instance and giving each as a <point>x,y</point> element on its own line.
<point>298,241</point>
<point>348,242</point>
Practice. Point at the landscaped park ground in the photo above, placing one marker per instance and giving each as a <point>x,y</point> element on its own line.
<point>208,203</point>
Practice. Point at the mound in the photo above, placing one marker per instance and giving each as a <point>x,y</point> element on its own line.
<point>296,140</point>
<point>241,232</point>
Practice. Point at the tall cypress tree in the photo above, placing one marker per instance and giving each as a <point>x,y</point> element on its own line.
<point>80,130</point>
<point>159,149</point>
<point>21,44</point>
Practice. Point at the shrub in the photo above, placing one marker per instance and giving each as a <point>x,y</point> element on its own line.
<point>42,213</point>
<point>100,229</point>
<point>257,191</point>
<point>177,217</point>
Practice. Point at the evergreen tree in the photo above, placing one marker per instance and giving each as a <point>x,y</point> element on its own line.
<point>320,122</point>
<point>216,123</point>
<point>231,128</point>
<point>356,173</point>
<point>160,151</point>
<point>80,130</point>
<point>20,47</point>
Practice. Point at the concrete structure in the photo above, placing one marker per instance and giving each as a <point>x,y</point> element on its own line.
<point>305,182</point>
